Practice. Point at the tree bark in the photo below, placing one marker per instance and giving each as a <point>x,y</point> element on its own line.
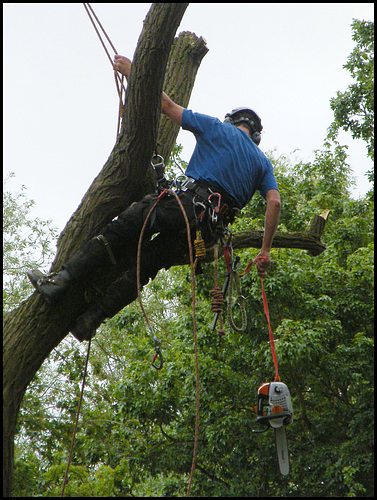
<point>33,329</point>
<point>187,52</point>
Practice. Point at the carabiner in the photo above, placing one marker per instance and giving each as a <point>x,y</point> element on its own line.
<point>157,353</point>
<point>216,208</point>
<point>160,163</point>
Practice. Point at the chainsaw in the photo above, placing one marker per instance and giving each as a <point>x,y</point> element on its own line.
<point>274,409</point>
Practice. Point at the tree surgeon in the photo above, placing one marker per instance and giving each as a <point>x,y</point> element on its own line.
<point>226,168</point>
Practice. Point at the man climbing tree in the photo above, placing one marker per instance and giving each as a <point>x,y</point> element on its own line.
<point>225,170</point>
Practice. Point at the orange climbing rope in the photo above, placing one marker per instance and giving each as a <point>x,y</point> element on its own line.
<point>272,342</point>
<point>192,266</point>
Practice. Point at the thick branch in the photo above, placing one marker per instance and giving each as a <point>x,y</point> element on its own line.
<point>186,55</point>
<point>307,240</point>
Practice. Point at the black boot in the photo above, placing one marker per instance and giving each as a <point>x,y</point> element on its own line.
<point>95,254</point>
<point>52,286</point>
<point>86,325</point>
<point>120,293</point>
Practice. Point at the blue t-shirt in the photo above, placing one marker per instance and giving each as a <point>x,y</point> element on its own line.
<point>226,156</point>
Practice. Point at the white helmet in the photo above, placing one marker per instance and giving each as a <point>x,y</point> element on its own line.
<point>248,116</point>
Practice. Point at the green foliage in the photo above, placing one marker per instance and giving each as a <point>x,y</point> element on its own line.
<point>136,429</point>
<point>354,108</point>
<point>26,244</point>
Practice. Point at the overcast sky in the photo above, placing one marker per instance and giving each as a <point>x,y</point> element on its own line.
<point>61,105</point>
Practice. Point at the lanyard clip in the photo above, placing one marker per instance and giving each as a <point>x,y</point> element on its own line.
<point>159,355</point>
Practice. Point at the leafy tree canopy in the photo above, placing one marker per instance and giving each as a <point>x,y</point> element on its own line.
<point>354,108</point>
<point>26,244</point>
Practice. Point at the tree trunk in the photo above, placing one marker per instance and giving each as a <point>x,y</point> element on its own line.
<point>33,329</point>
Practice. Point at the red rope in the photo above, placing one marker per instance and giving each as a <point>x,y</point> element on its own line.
<point>272,342</point>
<point>265,305</point>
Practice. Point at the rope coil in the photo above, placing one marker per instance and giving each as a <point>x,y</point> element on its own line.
<point>217,302</point>
<point>199,245</point>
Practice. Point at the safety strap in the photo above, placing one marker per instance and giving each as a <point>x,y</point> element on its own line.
<point>103,240</point>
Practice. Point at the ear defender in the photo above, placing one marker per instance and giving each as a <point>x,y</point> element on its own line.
<point>256,137</point>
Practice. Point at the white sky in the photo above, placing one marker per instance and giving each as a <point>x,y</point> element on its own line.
<point>61,105</point>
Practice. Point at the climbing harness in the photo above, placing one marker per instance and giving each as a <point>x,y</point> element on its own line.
<point>274,406</point>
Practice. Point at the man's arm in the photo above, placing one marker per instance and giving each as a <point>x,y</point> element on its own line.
<point>171,109</point>
<point>168,107</point>
<point>271,222</point>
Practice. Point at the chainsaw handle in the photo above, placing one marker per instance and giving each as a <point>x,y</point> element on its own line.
<point>266,418</point>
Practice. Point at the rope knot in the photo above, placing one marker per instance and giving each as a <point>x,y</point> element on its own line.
<point>217,300</point>
<point>200,249</point>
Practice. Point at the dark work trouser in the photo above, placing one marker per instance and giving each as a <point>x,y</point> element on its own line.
<point>162,252</point>
<point>122,234</point>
